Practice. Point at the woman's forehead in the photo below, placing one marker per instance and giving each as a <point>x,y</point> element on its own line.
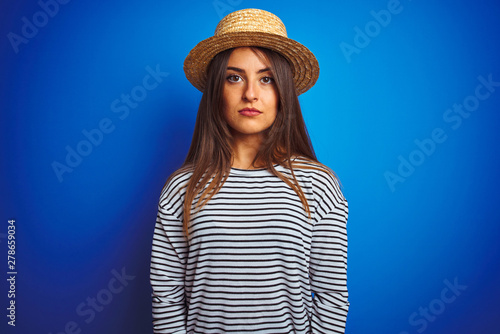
<point>248,58</point>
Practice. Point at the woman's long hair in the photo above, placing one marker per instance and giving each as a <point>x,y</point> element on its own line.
<point>210,155</point>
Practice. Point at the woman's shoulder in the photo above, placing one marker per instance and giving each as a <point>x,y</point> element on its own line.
<point>323,178</point>
<point>313,167</point>
<point>175,186</point>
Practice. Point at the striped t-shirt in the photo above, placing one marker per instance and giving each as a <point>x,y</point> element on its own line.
<point>255,262</point>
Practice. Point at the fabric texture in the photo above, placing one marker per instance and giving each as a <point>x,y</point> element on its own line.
<point>255,262</point>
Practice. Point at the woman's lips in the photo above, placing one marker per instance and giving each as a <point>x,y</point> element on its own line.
<point>250,112</point>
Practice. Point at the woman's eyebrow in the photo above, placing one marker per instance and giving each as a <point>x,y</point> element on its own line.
<point>240,70</point>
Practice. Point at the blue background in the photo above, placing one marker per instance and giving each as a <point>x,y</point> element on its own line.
<point>75,232</point>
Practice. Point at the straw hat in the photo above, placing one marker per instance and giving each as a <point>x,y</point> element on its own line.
<point>252,27</point>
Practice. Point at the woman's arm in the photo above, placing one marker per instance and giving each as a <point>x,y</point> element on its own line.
<point>168,260</point>
<point>328,266</point>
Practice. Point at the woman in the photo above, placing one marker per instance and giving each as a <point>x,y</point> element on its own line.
<point>251,230</point>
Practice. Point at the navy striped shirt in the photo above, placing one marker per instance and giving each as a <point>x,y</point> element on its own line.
<point>254,258</point>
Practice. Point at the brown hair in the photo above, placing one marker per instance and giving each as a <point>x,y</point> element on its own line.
<point>210,154</point>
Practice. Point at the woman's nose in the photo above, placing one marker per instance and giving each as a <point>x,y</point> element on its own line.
<point>251,91</point>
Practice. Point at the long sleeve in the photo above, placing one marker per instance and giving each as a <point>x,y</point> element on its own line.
<point>253,257</point>
<point>328,266</point>
<point>168,262</point>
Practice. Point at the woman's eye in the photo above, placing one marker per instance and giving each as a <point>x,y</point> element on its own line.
<point>233,78</point>
<point>267,80</point>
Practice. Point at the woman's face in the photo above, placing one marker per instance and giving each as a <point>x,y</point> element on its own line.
<point>250,94</point>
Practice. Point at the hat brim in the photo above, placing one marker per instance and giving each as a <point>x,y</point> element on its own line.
<point>304,64</point>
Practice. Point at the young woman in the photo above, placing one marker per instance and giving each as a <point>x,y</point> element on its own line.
<point>251,230</point>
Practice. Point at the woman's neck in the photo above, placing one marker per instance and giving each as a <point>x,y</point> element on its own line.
<point>245,149</point>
